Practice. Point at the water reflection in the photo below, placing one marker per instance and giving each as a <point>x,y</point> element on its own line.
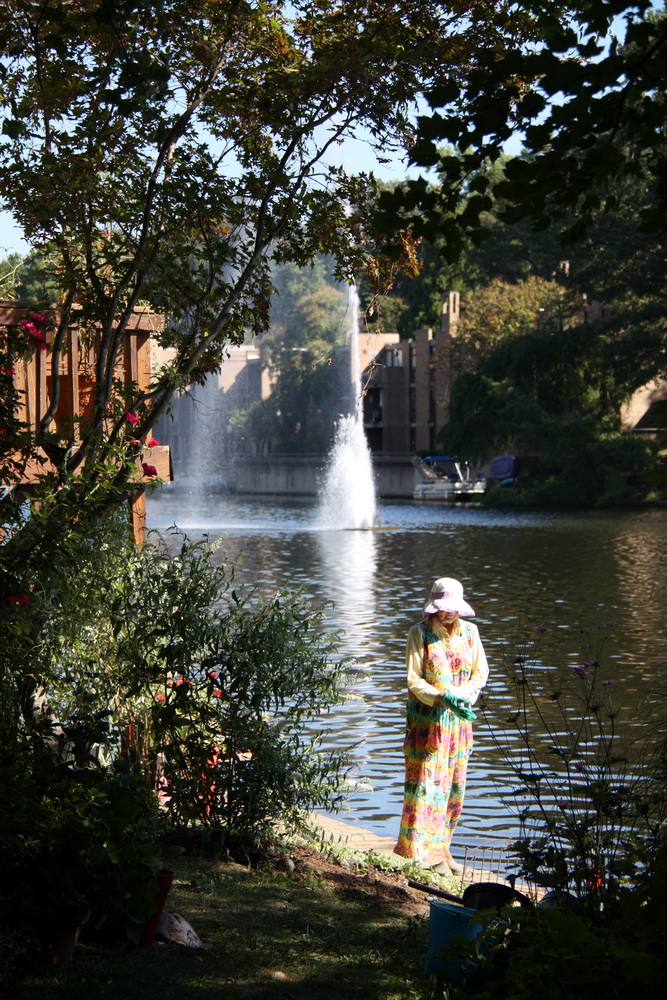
<point>523,573</point>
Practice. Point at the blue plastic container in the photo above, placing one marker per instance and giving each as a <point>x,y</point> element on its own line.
<point>448,921</point>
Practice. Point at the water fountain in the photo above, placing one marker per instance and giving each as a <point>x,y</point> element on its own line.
<point>347,496</point>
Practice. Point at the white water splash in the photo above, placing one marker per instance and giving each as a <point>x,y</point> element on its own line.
<point>347,498</point>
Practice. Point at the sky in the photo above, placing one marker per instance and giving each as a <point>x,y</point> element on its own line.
<point>11,236</point>
<point>355,155</point>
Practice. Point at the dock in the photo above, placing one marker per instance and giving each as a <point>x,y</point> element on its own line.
<point>343,834</point>
<point>481,864</point>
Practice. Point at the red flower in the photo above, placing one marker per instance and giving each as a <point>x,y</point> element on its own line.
<point>18,599</point>
<point>135,442</point>
<point>40,345</point>
<point>149,470</point>
<point>8,371</point>
<point>160,697</point>
<point>217,694</point>
<point>152,443</point>
<point>36,318</point>
<point>131,417</point>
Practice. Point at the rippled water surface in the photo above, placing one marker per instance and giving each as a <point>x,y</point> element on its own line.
<point>559,579</point>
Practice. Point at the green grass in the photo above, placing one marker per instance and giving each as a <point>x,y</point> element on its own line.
<point>267,934</point>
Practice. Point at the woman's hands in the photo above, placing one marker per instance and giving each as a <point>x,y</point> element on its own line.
<point>461,707</point>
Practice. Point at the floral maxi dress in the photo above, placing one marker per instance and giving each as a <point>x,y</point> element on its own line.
<point>437,743</point>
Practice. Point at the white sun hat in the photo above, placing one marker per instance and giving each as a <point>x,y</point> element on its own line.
<point>447,595</point>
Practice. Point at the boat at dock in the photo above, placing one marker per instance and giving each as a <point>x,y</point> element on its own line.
<point>445,477</point>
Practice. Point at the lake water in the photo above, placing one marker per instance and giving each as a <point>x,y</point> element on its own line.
<point>558,579</point>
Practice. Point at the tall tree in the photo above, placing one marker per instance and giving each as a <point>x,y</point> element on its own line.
<point>535,374</point>
<point>169,152</point>
<point>589,108</point>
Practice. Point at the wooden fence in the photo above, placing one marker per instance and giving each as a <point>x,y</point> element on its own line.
<point>34,381</point>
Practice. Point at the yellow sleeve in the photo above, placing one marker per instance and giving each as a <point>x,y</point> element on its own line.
<point>479,668</point>
<point>414,655</point>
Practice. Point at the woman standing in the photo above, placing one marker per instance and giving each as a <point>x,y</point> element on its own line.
<point>447,669</point>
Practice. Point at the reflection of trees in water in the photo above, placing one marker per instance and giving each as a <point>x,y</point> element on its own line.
<point>641,574</point>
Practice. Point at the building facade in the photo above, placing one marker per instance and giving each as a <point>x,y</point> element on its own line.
<point>405,385</point>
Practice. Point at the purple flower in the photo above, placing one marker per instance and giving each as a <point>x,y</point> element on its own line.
<point>582,672</point>
<point>606,683</point>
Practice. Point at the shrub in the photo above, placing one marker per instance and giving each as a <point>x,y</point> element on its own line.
<point>230,681</point>
<point>76,836</point>
<point>207,687</point>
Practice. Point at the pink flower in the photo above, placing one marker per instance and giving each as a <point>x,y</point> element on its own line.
<point>149,470</point>
<point>28,327</point>
<point>153,443</point>
<point>36,318</point>
<point>135,442</point>
<point>131,417</point>
<point>160,697</point>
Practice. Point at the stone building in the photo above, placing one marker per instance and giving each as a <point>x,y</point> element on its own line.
<point>406,385</point>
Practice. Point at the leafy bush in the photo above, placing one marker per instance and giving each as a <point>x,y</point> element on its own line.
<point>208,688</point>
<point>583,466</point>
<point>228,682</point>
<point>75,837</point>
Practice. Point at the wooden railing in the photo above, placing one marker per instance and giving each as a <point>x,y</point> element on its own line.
<point>34,381</point>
